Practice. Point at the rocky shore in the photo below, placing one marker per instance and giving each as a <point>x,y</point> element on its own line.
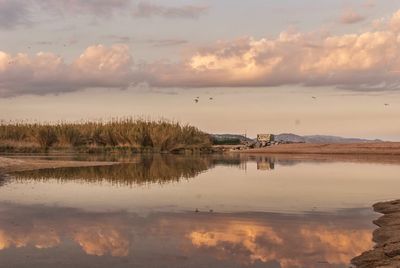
<point>386,252</point>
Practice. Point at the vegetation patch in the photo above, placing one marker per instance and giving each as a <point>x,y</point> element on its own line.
<point>129,134</point>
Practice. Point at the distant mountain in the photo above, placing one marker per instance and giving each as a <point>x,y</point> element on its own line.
<point>290,137</point>
<point>319,139</point>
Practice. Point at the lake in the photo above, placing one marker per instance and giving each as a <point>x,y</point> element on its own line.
<point>194,211</point>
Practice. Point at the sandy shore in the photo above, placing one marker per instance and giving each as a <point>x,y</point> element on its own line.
<point>387,238</point>
<point>378,148</point>
<point>11,164</point>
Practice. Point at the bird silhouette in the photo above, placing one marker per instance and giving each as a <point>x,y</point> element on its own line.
<point>211,98</point>
<point>314,97</point>
<point>196,100</point>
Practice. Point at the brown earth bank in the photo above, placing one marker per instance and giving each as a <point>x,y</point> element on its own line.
<point>324,158</point>
<point>386,252</point>
<point>11,164</point>
<point>376,148</point>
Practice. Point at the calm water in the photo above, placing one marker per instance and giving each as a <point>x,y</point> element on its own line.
<point>193,211</point>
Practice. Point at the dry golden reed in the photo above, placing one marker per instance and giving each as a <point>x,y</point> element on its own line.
<point>161,135</point>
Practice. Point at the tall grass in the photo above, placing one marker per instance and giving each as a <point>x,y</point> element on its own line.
<point>161,135</point>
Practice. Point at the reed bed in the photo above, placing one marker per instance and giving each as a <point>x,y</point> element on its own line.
<point>138,134</point>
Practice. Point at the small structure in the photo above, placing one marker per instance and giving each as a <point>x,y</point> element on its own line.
<point>265,138</point>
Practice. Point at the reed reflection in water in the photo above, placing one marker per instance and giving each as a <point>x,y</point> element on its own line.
<point>144,169</point>
<point>141,170</point>
<point>223,183</point>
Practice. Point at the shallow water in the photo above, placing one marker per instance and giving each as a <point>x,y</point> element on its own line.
<point>193,211</point>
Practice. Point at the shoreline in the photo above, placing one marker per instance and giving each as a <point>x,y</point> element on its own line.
<point>9,165</point>
<point>386,252</point>
<point>373,148</point>
<point>388,153</point>
<point>326,158</point>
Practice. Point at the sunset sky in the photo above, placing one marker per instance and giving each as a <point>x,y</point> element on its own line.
<point>302,66</point>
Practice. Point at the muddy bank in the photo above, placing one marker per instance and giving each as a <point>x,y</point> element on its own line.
<point>375,148</point>
<point>387,238</point>
<point>323,158</point>
<point>8,165</point>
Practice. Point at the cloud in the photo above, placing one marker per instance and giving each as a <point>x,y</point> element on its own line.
<point>146,10</point>
<point>351,17</point>
<point>369,4</point>
<point>166,42</point>
<point>97,234</point>
<point>368,61</point>
<point>102,239</point>
<point>44,73</point>
<point>250,243</point>
<point>91,7</point>
<point>13,13</point>
<point>118,38</point>
<point>250,239</point>
<point>394,23</point>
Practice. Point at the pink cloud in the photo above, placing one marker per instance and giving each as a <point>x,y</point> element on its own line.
<point>351,17</point>
<point>43,73</point>
<point>368,60</point>
<point>145,9</point>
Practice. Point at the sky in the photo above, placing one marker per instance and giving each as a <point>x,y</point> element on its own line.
<point>308,67</point>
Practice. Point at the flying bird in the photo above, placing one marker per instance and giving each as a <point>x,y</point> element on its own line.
<point>211,98</point>
<point>314,97</point>
<point>196,100</point>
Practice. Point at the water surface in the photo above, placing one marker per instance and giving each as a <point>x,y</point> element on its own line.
<point>193,211</point>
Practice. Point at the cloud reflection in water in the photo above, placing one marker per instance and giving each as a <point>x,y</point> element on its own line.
<point>241,240</point>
